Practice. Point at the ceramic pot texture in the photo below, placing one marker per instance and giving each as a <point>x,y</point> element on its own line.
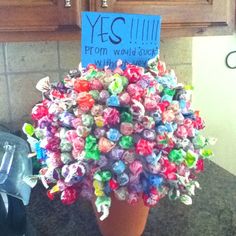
<point>124,219</point>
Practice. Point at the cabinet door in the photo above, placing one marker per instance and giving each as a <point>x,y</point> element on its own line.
<point>35,15</point>
<point>186,17</point>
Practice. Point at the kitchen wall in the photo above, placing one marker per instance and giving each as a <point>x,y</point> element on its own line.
<point>23,64</point>
<point>214,94</point>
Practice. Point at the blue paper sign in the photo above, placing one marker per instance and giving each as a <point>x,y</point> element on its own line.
<point>107,37</point>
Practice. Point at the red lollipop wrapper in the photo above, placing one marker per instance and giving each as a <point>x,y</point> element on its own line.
<point>81,86</point>
<point>69,196</point>
<point>144,147</point>
<point>85,101</point>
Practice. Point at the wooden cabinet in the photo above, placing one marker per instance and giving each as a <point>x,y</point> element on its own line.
<point>36,15</point>
<point>179,17</point>
<point>32,20</point>
<point>22,20</point>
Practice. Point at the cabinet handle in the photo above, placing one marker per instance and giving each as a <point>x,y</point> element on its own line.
<point>67,3</point>
<point>104,4</point>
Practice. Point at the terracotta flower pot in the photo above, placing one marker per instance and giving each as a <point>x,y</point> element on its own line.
<point>124,219</point>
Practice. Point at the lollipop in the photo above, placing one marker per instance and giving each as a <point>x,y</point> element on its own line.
<point>131,133</point>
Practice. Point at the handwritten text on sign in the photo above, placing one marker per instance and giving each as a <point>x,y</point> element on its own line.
<point>107,37</point>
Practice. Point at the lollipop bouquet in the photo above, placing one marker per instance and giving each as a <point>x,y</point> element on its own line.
<point>129,133</point>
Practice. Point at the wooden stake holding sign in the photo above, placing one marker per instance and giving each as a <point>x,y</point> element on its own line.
<point>107,37</point>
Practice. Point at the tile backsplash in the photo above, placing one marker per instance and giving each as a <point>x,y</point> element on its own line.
<point>23,64</point>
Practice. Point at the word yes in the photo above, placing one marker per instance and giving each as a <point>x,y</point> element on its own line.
<point>106,31</point>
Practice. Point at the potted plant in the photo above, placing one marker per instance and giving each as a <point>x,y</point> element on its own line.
<point>121,138</point>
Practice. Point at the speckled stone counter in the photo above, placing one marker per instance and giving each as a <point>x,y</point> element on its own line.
<point>213,212</point>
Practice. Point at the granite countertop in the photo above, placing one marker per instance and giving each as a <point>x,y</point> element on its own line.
<point>213,212</point>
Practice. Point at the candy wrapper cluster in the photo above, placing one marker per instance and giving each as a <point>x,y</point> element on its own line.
<point>130,133</point>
